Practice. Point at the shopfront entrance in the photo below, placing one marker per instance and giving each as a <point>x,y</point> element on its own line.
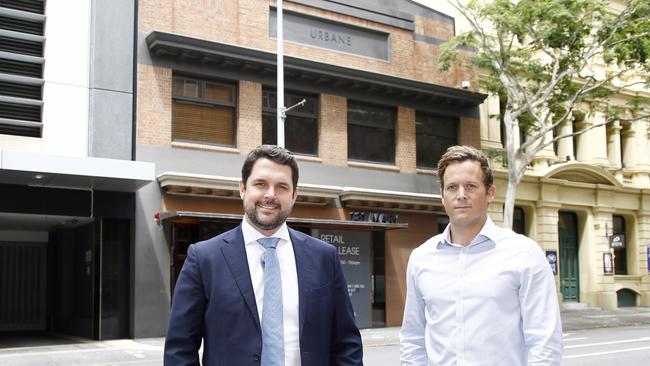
<point>361,248</point>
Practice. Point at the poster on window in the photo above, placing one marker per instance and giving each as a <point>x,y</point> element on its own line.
<point>353,248</point>
<point>608,263</point>
<point>617,241</point>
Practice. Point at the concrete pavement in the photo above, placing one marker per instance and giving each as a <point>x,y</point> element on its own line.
<point>26,350</point>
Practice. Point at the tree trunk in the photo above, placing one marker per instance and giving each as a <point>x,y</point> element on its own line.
<point>509,204</point>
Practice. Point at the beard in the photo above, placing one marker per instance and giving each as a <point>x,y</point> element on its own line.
<point>274,223</point>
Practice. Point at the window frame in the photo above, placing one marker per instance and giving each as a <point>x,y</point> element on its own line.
<point>203,101</point>
<point>456,121</point>
<point>393,128</point>
<point>296,112</point>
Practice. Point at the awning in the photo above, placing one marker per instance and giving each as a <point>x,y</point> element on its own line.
<point>74,172</point>
<point>320,223</point>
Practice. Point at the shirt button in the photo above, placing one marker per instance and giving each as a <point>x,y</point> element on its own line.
<point>256,356</point>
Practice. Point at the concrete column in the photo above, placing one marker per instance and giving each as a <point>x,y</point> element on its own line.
<point>598,243</point>
<point>614,145</point>
<point>547,233</point>
<point>565,145</point>
<point>629,148</point>
<point>644,240</point>
<point>592,147</point>
<point>490,123</point>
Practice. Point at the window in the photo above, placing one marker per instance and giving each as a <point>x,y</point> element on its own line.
<point>433,135</point>
<point>371,133</point>
<point>519,221</point>
<point>620,254</point>
<point>300,125</point>
<point>203,111</point>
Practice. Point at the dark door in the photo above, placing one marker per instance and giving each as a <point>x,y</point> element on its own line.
<point>568,238</point>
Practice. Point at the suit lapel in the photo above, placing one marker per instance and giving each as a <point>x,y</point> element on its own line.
<point>305,274</point>
<point>235,254</point>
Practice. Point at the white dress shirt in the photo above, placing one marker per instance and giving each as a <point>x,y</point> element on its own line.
<point>286,258</point>
<point>492,302</point>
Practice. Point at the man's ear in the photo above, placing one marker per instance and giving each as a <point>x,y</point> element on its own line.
<point>295,194</point>
<point>491,193</point>
<point>242,189</point>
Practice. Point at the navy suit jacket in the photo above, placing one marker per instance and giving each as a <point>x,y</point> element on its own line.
<point>214,301</point>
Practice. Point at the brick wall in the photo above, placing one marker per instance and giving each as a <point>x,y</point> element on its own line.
<point>405,149</point>
<point>249,116</point>
<point>333,130</point>
<point>154,105</point>
<point>246,23</point>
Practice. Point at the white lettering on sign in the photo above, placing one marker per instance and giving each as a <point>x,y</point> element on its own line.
<point>345,250</point>
<point>332,238</point>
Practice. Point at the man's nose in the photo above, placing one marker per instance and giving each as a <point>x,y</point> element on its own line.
<point>270,192</point>
<point>461,192</point>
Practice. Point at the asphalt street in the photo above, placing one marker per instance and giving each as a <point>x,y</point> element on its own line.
<point>591,336</point>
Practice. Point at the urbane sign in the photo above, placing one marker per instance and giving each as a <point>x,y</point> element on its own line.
<point>324,33</point>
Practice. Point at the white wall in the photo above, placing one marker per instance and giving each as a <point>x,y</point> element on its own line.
<point>66,89</point>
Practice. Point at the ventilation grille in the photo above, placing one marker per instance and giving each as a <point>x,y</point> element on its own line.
<point>20,90</point>
<point>21,25</point>
<point>21,68</point>
<point>22,286</point>
<point>32,6</point>
<point>21,46</point>
<point>24,112</point>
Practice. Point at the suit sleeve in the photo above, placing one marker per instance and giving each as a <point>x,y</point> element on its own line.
<point>185,329</point>
<point>346,346</point>
<point>540,311</point>
<point>412,339</point>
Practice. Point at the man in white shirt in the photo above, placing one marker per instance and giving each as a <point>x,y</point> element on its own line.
<point>262,293</point>
<point>478,294</point>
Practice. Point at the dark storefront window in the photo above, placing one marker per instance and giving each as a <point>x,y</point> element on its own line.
<point>300,125</point>
<point>433,135</point>
<point>203,111</point>
<point>371,133</point>
<point>620,253</point>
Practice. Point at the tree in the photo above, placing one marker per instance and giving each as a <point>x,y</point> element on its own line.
<point>550,61</point>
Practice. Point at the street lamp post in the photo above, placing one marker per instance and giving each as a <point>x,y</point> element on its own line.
<point>281,110</point>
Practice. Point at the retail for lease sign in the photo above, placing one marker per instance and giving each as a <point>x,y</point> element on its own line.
<point>354,251</point>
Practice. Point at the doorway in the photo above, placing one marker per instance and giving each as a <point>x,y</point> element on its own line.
<point>569,270</point>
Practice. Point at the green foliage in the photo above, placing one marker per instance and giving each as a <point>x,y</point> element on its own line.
<point>537,55</point>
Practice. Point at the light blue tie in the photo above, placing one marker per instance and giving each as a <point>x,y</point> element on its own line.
<point>272,320</point>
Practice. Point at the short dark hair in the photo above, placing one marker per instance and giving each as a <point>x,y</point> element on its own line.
<point>458,154</point>
<point>275,154</point>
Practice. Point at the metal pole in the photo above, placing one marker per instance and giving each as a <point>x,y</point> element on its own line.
<point>280,78</point>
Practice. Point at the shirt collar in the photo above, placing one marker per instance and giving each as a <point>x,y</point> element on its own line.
<point>251,234</point>
<point>488,233</point>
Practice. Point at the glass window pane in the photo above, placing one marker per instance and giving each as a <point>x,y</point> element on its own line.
<point>371,116</point>
<point>203,123</point>
<point>218,92</point>
<point>186,88</point>
<point>434,134</point>
<point>301,135</point>
<point>371,144</point>
<point>269,129</point>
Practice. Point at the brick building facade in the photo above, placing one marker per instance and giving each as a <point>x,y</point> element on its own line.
<point>206,91</point>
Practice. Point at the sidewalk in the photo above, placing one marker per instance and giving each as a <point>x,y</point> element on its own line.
<point>572,320</point>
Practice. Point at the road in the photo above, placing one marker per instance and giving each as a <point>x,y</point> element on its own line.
<point>629,346</point>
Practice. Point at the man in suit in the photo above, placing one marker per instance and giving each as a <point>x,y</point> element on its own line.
<point>307,317</point>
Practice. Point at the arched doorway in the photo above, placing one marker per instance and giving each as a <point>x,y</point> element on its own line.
<point>569,271</point>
